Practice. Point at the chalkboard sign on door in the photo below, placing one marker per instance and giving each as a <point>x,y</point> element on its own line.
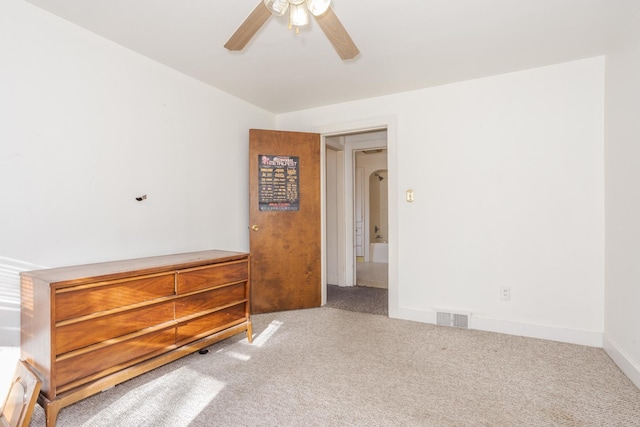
<point>278,183</point>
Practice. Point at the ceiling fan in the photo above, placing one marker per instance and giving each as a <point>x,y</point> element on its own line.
<point>299,11</point>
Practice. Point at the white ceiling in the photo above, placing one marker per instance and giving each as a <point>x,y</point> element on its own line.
<point>404,44</point>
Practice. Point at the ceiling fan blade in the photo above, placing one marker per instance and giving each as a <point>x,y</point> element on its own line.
<point>248,28</point>
<point>337,35</point>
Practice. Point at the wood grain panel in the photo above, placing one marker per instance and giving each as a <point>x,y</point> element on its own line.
<point>64,277</point>
<point>87,364</point>
<point>285,247</point>
<point>81,334</point>
<point>88,299</point>
<point>209,300</point>
<point>248,28</point>
<point>204,325</point>
<point>206,277</point>
<point>337,35</point>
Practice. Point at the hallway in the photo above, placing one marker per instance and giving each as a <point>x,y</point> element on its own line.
<point>360,299</point>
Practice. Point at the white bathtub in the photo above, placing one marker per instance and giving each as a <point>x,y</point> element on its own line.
<point>379,252</point>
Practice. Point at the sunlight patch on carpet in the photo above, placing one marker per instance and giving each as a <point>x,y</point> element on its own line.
<point>261,339</point>
<point>240,356</point>
<point>175,399</point>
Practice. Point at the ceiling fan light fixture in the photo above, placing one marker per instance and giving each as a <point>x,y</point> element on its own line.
<point>318,7</point>
<point>277,7</point>
<point>299,11</point>
<point>298,15</point>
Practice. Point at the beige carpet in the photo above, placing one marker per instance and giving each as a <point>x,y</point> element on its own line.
<point>330,367</point>
<point>359,298</point>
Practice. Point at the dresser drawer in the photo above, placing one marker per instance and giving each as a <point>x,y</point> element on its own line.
<point>196,279</point>
<point>210,323</point>
<point>81,334</point>
<point>96,297</point>
<point>209,300</point>
<point>87,364</point>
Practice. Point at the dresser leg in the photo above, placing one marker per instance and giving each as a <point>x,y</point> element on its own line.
<point>51,409</point>
<point>249,332</point>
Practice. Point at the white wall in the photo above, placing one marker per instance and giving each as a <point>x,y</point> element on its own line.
<point>86,126</point>
<point>622,181</point>
<point>508,179</point>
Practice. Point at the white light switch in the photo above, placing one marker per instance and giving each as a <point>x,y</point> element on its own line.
<point>409,195</point>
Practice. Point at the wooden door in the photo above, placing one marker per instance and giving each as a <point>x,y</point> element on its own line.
<point>284,214</point>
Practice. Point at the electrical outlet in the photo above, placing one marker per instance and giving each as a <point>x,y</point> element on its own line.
<point>505,293</point>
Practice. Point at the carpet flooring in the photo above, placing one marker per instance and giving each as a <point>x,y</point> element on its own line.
<point>333,367</point>
<point>361,299</point>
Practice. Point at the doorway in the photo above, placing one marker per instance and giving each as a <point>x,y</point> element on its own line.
<point>346,255</point>
<point>371,216</point>
<point>357,218</point>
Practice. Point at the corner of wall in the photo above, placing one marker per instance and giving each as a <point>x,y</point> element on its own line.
<point>626,365</point>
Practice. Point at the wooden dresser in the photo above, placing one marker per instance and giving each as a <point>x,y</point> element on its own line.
<point>89,327</point>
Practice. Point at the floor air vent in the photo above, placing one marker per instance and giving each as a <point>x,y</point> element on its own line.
<point>457,320</point>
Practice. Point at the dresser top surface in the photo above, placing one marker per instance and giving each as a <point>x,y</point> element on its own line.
<point>138,266</point>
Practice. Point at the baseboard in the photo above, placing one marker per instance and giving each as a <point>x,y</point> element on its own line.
<point>552,333</point>
<point>626,365</point>
<point>415,315</point>
<point>572,336</point>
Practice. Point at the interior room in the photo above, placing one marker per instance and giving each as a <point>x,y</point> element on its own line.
<point>505,134</point>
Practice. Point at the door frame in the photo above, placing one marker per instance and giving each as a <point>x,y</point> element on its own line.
<point>390,124</point>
